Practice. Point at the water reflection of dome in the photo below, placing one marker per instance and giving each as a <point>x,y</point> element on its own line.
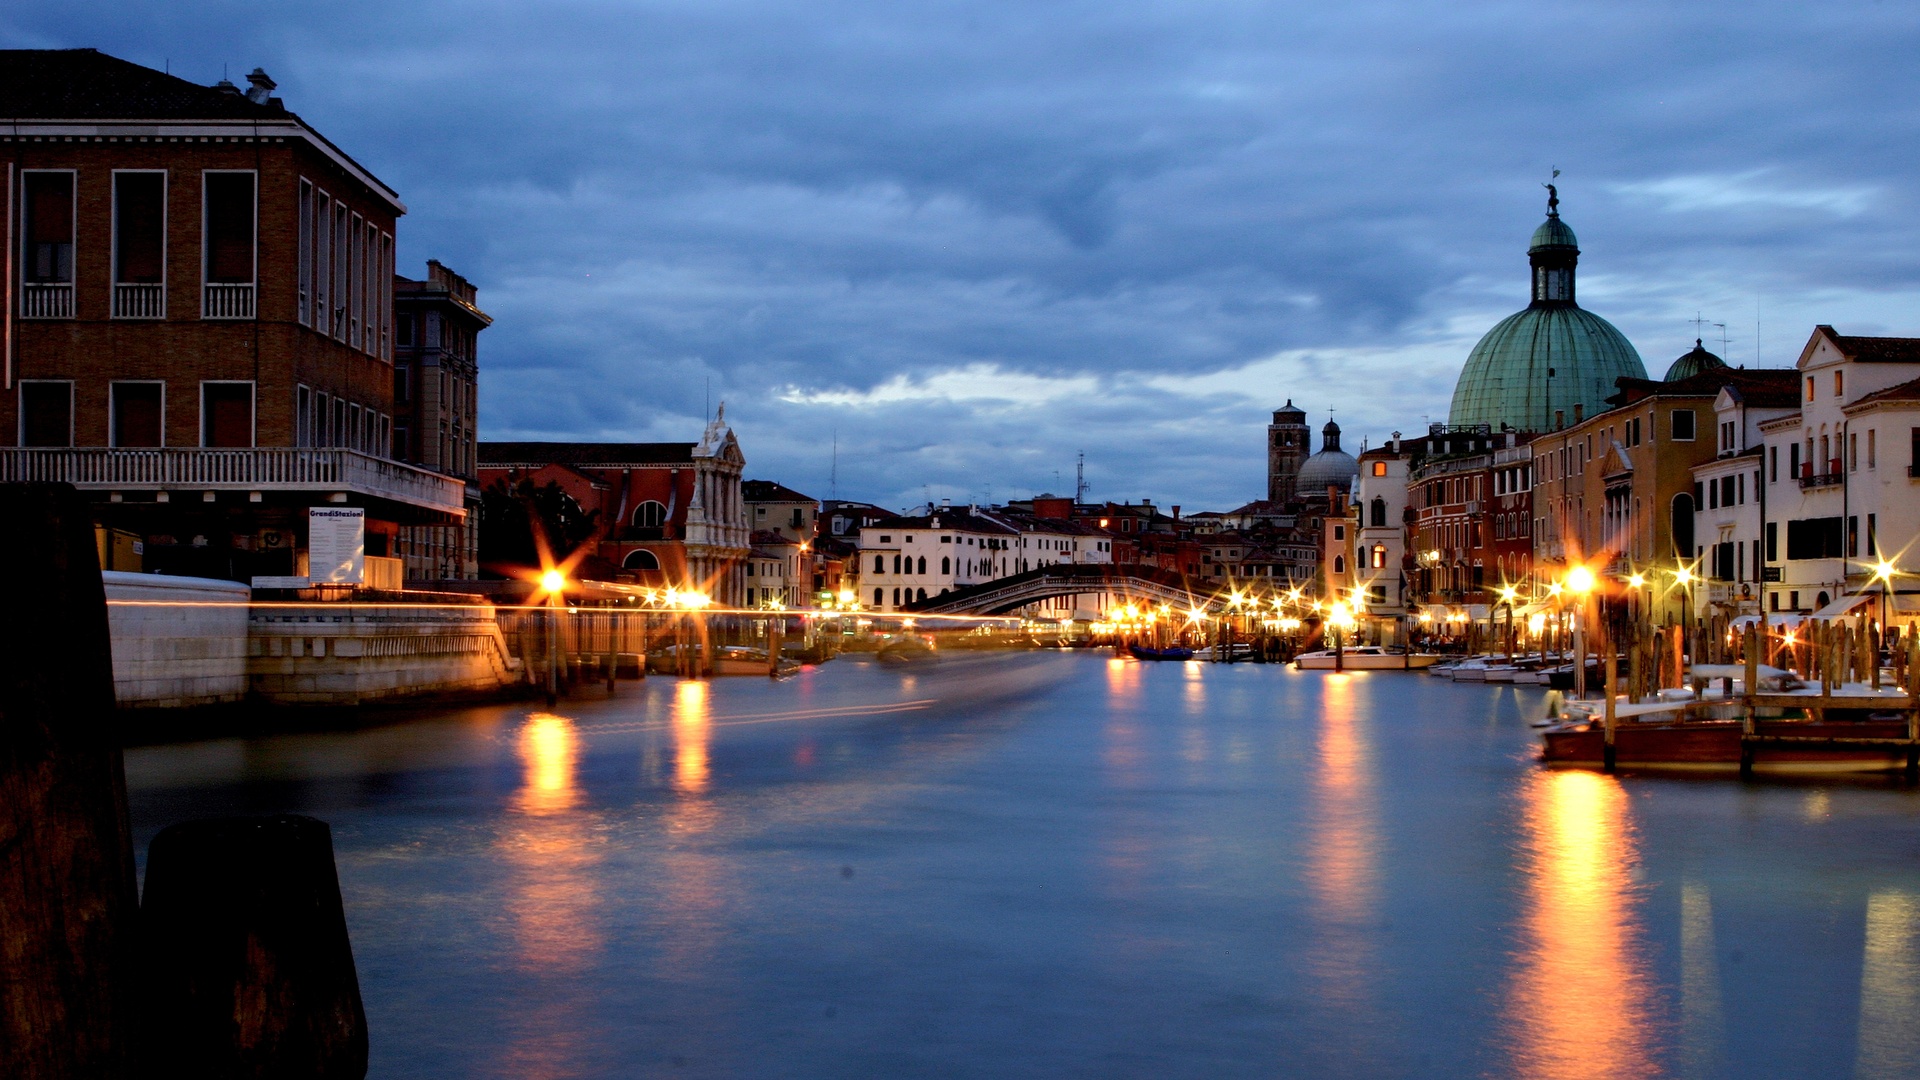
<point>1549,364</point>
<point>1331,465</point>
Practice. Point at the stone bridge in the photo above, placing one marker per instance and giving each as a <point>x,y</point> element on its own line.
<point>1140,584</point>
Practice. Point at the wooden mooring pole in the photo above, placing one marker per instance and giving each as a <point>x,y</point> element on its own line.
<point>67,891</point>
<point>247,973</point>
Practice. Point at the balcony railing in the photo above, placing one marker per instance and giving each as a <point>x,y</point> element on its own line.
<point>221,300</point>
<point>46,300</point>
<point>1826,479</point>
<point>140,301</point>
<point>260,469</point>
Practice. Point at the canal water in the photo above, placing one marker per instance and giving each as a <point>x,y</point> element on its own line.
<point>1062,864</point>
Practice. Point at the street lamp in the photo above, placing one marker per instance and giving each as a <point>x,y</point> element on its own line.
<point>1580,582</point>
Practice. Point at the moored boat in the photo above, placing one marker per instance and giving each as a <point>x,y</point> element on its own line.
<point>1364,658</point>
<point>1171,652</point>
<point>1793,729</point>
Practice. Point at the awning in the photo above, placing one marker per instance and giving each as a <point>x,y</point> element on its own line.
<point>1775,620</point>
<point>1843,606</point>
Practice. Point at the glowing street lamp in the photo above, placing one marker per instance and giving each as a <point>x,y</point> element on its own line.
<point>1580,580</point>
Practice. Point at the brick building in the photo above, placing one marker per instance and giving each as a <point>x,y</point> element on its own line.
<point>670,514</point>
<point>198,321</point>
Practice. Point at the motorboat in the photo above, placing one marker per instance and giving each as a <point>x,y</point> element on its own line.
<point>905,648</point>
<point>1365,658</point>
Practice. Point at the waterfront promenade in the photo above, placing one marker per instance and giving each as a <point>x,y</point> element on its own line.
<point>1055,864</point>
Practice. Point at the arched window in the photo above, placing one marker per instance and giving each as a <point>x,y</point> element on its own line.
<point>1681,525</point>
<point>879,566</point>
<point>1339,564</point>
<point>879,597</point>
<point>946,564</point>
<point>896,564</point>
<point>923,565</point>
<point>922,594</point>
<point>649,515</point>
<point>1379,512</point>
<point>641,559</point>
<point>1379,556</point>
<point>896,598</point>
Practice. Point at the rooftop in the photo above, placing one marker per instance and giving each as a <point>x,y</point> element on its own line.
<point>499,455</point>
<point>771,491</point>
<point>1873,350</point>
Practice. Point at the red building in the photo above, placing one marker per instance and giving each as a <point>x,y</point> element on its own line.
<point>670,514</point>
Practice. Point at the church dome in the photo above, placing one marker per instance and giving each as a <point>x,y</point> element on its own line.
<point>1694,363</point>
<point>1331,465</point>
<point>1540,368</point>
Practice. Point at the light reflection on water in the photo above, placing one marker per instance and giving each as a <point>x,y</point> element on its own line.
<point>1342,870</point>
<point>550,894</point>
<point>1581,1003</point>
<point>1079,865</point>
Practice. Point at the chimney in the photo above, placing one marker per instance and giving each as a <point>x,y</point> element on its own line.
<point>226,87</point>
<point>946,504</point>
<point>260,86</point>
<point>1579,411</point>
<point>1176,511</point>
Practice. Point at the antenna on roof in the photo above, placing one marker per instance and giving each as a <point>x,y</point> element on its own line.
<point>833,473</point>
<point>1080,479</point>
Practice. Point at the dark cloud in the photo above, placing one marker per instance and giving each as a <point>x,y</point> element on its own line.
<point>970,240</point>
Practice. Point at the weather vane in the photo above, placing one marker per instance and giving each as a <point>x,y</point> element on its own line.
<point>1553,194</point>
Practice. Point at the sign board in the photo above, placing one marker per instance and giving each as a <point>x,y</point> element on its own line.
<point>1770,573</point>
<point>279,581</point>
<point>337,545</point>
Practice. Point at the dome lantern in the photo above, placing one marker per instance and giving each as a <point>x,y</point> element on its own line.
<point>1546,365</point>
<point>1553,253</point>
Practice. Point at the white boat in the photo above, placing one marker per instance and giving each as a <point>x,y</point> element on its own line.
<point>1364,658</point>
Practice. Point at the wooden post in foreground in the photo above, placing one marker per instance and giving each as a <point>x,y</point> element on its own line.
<point>776,629</point>
<point>246,969</point>
<point>67,890</point>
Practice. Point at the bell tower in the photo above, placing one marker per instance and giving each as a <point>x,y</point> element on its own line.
<point>1288,441</point>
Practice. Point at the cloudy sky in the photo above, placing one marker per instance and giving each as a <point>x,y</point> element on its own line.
<point>971,240</point>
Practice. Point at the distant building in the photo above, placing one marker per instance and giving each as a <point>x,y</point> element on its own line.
<point>906,559</point>
<point>1471,499</point>
<point>436,408</point>
<point>1381,505</point>
<point>1287,448</point>
<point>778,508</point>
<point>670,513</point>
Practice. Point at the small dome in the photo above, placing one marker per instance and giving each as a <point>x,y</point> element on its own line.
<point>1694,363</point>
<point>1552,233</point>
<point>1335,467</point>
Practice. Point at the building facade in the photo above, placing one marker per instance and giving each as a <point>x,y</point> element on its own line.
<point>668,514</point>
<point>436,401</point>
<point>198,321</point>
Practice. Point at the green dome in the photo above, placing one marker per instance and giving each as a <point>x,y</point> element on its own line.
<point>1694,363</point>
<point>1534,366</point>
<point>1552,233</point>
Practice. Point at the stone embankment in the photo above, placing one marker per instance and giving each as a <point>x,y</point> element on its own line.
<point>191,642</point>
